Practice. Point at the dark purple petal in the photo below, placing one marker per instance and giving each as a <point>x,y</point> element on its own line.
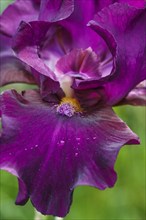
<point>51,154</point>
<point>135,3</point>
<point>12,70</point>
<point>89,98</point>
<point>136,96</point>
<point>80,63</point>
<point>55,10</point>
<point>22,196</point>
<point>50,90</point>
<point>27,42</point>
<point>126,25</point>
<point>16,12</point>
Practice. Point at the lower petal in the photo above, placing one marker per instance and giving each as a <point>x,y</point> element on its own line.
<point>52,154</point>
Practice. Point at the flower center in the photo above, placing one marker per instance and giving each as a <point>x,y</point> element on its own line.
<point>69,106</point>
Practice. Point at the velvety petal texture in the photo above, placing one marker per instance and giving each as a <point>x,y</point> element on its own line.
<point>16,12</point>
<point>80,63</point>
<point>63,152</point>
<point>135,97</point>
<point>125,26</point>
<point>28,42</point>
<point>52,141</point>
<point>12,70</point>
<point>55,10</point>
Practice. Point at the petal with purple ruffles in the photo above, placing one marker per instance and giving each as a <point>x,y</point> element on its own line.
<point>55,10</point>
<point>136,96</point>
<point>80,63</point>
<point>29,42</point>
<point>126,25</point>
<point>135,3</point>
<point>17,12</point>
<point>12,69</point>
<point>37,144</point>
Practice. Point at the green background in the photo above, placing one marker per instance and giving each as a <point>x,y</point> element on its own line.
<point>125,201</point>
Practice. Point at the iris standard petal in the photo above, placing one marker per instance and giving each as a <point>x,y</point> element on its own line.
<point>126,25</point>
<point>17,12</point>
<point>28,43</point>
<point>80,63</point>
<point>52,154</point>
<point>135,3</point>
<point>55,10</point>
<point>12,69</point>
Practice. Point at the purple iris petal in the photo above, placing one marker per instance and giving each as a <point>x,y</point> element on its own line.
<point>28,43</point>
<point>135,3</point>
<point>127,26</point>
<point>49,89</point>
<point>83,147</point>
<point>80,63</point>
<point>136,96</point>
<point>15,13</point>
<point>12,70</point>
<point>53,145</point>
<point>54,10</point>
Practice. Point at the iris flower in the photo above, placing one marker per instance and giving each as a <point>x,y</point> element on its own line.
<point>65,133</point>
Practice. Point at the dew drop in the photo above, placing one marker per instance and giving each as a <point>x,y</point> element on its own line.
<point>25,149</point>
<point>76,154</point>
<point>61,143</point>
<point>94,138</point>
<point>10,153</point>
<point>36,145</point>
<point>78,138</point>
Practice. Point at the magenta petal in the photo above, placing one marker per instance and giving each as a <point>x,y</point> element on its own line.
<point>22,196</point>
<point>17,12</point>
<point>50,90</point>
<point>27,43</point>
<point>135,3</point>
<point>52,154</point>
<point>55,10</point>
<point>80,63</point>
<point>129,34</point>
<point>12,70</point>
<point>135,97</point>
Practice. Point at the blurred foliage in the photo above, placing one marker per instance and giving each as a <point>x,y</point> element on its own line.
<point>126,201</point>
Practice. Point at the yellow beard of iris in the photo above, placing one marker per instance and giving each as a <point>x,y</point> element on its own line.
<point>73,102</point>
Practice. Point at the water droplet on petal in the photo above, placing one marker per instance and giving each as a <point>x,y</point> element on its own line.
<point>25,149</point>
<point>94,138</point>
<point>36,145</point>
<point>78,138</point>
<point>61,143</point>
